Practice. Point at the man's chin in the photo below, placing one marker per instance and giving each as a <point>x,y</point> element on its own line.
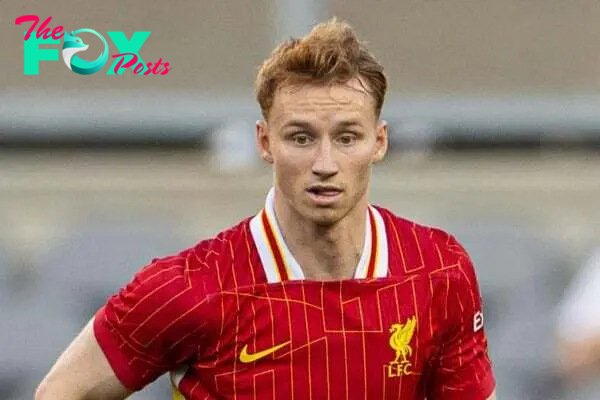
<point>324,216</point>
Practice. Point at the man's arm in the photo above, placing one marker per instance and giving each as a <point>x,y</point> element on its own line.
<point>151,326</point>
<point>82,372</point>
<point>462,368</point>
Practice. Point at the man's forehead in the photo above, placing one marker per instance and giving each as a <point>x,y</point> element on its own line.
<point>344,101</point>
<point>349,92</point>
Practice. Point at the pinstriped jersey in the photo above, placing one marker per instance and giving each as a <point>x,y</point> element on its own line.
<point>234,318</point>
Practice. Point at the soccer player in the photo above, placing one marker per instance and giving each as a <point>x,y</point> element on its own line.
<point>320,295</point>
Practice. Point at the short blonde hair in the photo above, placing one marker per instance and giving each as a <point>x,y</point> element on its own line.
<point>330,53</point>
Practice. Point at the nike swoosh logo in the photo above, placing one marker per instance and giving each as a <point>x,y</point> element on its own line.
<point>248,358</point>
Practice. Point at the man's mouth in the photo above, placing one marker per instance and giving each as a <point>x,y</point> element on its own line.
<point>324,191</point>
<point>324,195</point>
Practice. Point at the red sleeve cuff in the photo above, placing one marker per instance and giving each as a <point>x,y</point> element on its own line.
<point>113,348</point>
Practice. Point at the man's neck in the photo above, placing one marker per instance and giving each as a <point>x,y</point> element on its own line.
<point>324,252</point>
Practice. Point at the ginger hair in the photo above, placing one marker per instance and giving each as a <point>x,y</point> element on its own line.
<point>330,54</point>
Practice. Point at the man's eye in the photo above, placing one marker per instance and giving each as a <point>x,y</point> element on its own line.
<point>301,139</point>
<point>347,139</point>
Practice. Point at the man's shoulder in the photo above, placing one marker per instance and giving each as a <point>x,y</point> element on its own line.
<point>430,247</point>
<point>210,263</point>
<point>222,246</point>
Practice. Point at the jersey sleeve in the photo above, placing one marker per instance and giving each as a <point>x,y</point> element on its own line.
<point>149,327</point>
<point>463,369</point>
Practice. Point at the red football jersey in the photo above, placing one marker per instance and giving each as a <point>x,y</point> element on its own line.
<point>234,317</point>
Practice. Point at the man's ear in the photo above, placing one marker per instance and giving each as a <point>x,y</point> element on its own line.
<point>263,144</point>
<point>381,141</point>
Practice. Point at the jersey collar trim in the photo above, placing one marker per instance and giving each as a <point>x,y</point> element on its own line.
<point>279,264</point>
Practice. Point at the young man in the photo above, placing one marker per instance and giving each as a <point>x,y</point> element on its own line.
<point>320,295</point>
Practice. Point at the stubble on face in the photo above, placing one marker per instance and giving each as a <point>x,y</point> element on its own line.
<point>328,116</point>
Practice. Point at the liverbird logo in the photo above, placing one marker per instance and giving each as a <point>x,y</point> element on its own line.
<point>401,336</point>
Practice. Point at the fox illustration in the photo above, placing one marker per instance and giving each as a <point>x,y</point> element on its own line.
<point>72,45</point>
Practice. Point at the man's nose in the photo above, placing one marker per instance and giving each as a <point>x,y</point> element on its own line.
<point>325,164</point>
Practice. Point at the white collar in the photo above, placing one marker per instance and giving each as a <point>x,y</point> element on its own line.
<point>279,264</point>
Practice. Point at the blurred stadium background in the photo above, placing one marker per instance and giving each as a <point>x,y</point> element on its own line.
<point>494,108</point>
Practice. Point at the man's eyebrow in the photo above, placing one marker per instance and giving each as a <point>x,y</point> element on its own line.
<point>296,123</point>
<point>348,123</point>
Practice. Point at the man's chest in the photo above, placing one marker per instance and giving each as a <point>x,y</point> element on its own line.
<point>309,339</point>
